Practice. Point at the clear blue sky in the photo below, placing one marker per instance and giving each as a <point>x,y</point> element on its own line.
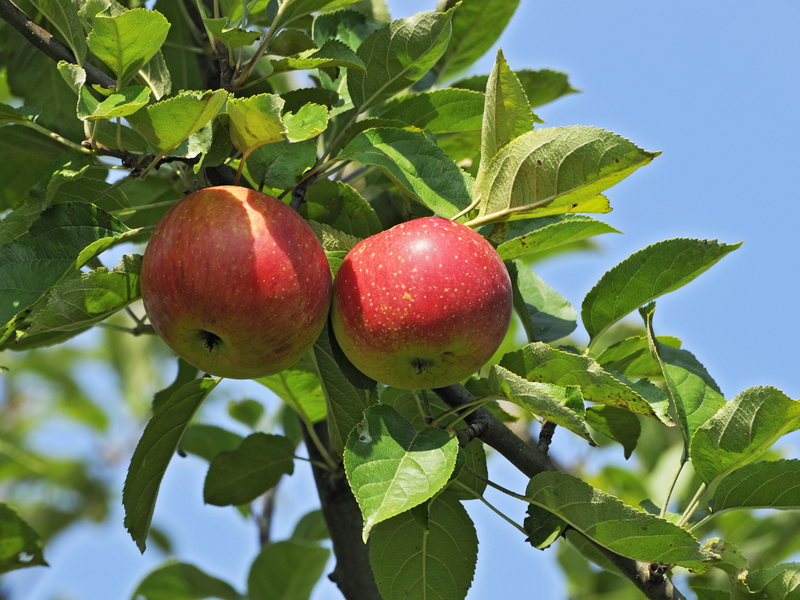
<point>714,86</point>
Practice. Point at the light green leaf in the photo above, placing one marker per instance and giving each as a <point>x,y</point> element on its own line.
<point>64,15</point>
<point>182,581</point>
<point>418,166</point>
<point>539,362</point>
<point>242,475</point>
<point>90,298</point>
<point>337,204</point>
<point>440,111</point>
<point>560,405</point>
<point>742,430</point>
<point>57,244</point>
<point>281,165</point>
<point>300,388</point>
<point>766,484</point>
<point>288,570</point>
<point>333,240</point>
<point>541,87</point>
<point>294,9</point>
<point>617,424</point>
<point>397,55</point>
<point>555,171</point>
<point>392,467</point>
<point>545,314</point>
<point>732,563</point>
<point>20,545</point>
<point>232,37</point>
<point>333,54</point>
<point>646,275</point>
<point>345,400</point>
<point>154,452</point>
<point>436,562</point>
<point>206,441</point>
<point>545,233</point>
<point>694,393</point>
<point>255,121</point>
<point>507,115</point>
<point>631,357</point>
<point>308,122</point>
<point>126,42</point>
<point>612,524</point>
<point>168,123</point>
<point>477,25</point>
<point>122,103</point>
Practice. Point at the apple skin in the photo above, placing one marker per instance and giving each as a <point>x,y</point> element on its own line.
<point>422,305</point>
<point>236,282</point>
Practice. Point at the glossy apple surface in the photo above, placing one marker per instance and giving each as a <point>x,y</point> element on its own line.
<point>236,282</point>
<point>422,305</point>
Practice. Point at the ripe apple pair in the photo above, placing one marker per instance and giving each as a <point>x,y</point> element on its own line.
<point>238,285</point>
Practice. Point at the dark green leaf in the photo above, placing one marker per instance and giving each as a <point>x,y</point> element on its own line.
<point>332,54</point>
<point>294,100</point>
<point>178,51</point>
<point>419,167</point>
<point>186,373</point>
<point>242,475</point>
<point>340,206</point>
<point>780,582</point>
<point>64,15</point>
<point>232,37</point>
<point>20,545</point>
<point>154,452</point>
<point>206,441</point>
<point>300,388</point>
<point>392,467</point>
<point>766,484</point>
<point>435,562</point>
<point>646,275</point>
<point>620,425</point>
<point>347,26</point>
<point>294,9</point>
<point>281,165</point>
<point>541,87</point>
<point>397,55</point>
<point>247,411</point>
<point>182,581</point>
<point>288,570</point>
<point>291,41</point>
<point>311,527</point>
<point>440,111</point>
<point>538,235</point>
<point>25,157</point>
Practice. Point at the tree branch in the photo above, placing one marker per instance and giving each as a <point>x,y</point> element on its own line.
<point>533,460</point>
<point>49,45</point>
<point>353,573</point>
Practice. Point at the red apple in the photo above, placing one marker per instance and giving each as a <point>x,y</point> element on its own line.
<point>422,305</point>
<point>236,282</point>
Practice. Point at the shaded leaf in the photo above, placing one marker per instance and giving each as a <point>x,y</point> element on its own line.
<point>20,545</point>
<point>232,37</point>
<point>332,54</point>
<point>780,582</point>
<point>545,233</point>
<point>288,570</point>
<point>182,581</point>
<point>186,373</point>
<point>766,484</point>
<point>206,441</point>
<point>342,207</point>
<point>281,165</point>
<point>294,9</point>
<point>392,467</point>
<point>646,275</point>
<point>300,388</point>
<point>439,111</point>
<point>620,425</point>
<point>64,15</point>
<point>311,527</point>
<point>154,452</point>
<point>247,411</point>
<point>541,87</point>
<point>25,157</point>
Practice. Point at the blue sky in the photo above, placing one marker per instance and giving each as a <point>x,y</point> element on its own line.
<point>714,86</point>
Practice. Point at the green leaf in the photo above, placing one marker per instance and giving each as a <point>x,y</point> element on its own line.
<point>342,207</point>
<point>333,54</point>
<point>539,362</point>
<point>300,388</point>
<point>346,401</point>
<point>25,157</point>
<point>347,26</point>
<point>288,570</point>
<point>122,103</point>
<point>397,55</point>
<point>20,545</point>
<point>631,357</point>
<point>58,243</point>
<point>311,527</point>
<point>179,50</point>
<point>780,582</point>
<point>247,411</point>
<point>64,15</point>
<point>620,425</point>
<point>612,524</point>
<point>766,484</point>
<point>308,122</point>
<point>507,115</point>
<point>541,87</point>
<point>291,41</point>
<point>555,171</point>
<point>546,233</point>
<point>242,475</point>
<point>9,114</point>
<point>732,563</point>
<point>255,121</point>
<point>294,100</point>
<point>392,467</point>
<point>742,430</point>
<point>168,123</point>
<point>126,42</point>
<point>477,25</point>
<point>437,562</point>
<point>545,314</point>
<point>418,166</point>
<point>560,405</point>
<point>281,165</point>
<point>186,373</point>
<point>232,37</point>
<point>206,441</point>
<point>440,111</point>
<point>90,298</point>
<point>153,453</point>
<point>646,275</point>
<point>694,393</point>
<point>182,581</point>
<point>294,9</point>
